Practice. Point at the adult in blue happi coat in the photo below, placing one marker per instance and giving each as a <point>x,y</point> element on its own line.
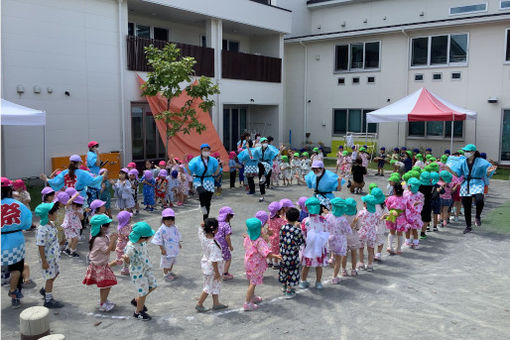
<point>324,182</point>
<point>203,168</point>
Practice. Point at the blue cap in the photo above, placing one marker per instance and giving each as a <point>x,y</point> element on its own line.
<point>416,150</point>
<point>204,146</point>
<point>428,149</point>
<point>403,148</point>
<point>395,149</point>
<point>447,151</point>
<point>383,148</point>
<point>483,155</point>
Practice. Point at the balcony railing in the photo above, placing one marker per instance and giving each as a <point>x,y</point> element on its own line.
<point>136,60</point>
<point>246,66</point>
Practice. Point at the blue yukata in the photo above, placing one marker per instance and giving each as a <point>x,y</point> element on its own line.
<point>15,218</point>
<point>251,166</point>
<point>197,168</point>
<point>149,192</point>
<point>266,157</point>
<point>323,186</point>
<point>473,183</point>
<point>91,163</point>
<point>80,182</point>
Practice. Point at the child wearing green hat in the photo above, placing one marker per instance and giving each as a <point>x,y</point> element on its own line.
<point>286,171</point>
<point>353,243</point>
<point>396,220</point>
<point>256,252</point>
<point>49,251</point>
<point>295,164</point>
<point>315,253</point>
<point>136,254</point>
<point>445,197</point>
<point>99,271</point>
<point>369,219</point>
<point>345,170</point>
<point>339,158</point>
<point>381,226</point>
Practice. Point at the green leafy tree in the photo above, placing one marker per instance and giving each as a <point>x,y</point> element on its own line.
<point>170,71</point>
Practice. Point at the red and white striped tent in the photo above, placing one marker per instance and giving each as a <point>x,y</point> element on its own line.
<point>421,106</point>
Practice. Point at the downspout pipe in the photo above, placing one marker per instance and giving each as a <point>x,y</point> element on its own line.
<point>305,90</point>
<point>121,84</point>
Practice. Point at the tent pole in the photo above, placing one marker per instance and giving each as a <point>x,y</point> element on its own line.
<point>398,135</point>
<point>366,131</point>
<point>44,149</point>
<point>451,137</point>
<point>3,153</point>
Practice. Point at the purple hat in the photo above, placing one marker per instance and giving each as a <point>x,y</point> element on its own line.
<point>301,202</point>
<point>71,191</point>
<point>96,204</point>
<point>123,217</point>
<point>147,174</point>
<point>224,212</point>
<point>46,191</point>
<point>133,172</point>
<point>317,164</point>
<point>79,200</point>
<point>62,197</point>
<point>168,213</point>
<point>75,158</point>
<point>286,203</point>
<point>262,216</point>
<point>162,173</point>
<point>125,170</point>
<point>274,207</point>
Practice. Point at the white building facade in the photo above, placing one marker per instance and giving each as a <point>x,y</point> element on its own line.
<point>85,56</point>
<point>357,56</point>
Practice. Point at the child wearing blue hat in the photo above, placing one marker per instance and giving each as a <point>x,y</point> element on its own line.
<point>136,254</point>
<point>381,159</point>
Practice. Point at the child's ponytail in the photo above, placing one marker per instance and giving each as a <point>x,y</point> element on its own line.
<point>73,166</point>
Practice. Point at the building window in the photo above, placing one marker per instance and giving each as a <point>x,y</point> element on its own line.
<point>468,9</point>
<point>149,32</point>
<point>146,141</point>
<point>203,41</point>
<point>436,129</point>
<point>433,50</point>
<point>456,75</point>
<point>160,34</point>
<point>436,76</point>
<point>355,80</point>
<point>418,77</point>
<point>504,4</point>
<point>143,31</point>
<point>370,79</point>
<point>507,46</point>
<point>230,45</point>
<point>352,120</point>
<point>341,81</point>
<point>357,56</point>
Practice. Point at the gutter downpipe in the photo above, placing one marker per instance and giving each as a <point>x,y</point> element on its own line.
<point>305,90</point>
<point>407,80</point>
<point>121,78</point>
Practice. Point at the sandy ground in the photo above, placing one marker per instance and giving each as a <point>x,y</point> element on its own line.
<point>454,286</point>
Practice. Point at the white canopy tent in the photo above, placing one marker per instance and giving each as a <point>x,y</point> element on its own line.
<point>421,106</point>
<point>12,114</point>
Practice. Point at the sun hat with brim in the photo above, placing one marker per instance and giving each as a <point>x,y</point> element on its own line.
<point>133,172</point>
<point>123,217</point>
<point>362,149</point>
<point>205,145</point>
<point>433,167</point>
<point>317,165</point>
<point>140,229</point>
<point>460,151</point>
<point>6,182</point>
<point>432,159</point>
<point>79,200</point>
<point>445,176</point>
<point>296,154</point>
<point>71,191</point>
<point>301,202</point>
<point>224,212</point>
<point>125,170</point>
<point>416,150</point>
<point>92,143</point>
<point>274,207</point>
<point>263,139</point>
<point>306,154</point>
<point>393,161</point>
<point>253,226</point>
<point>470,148</point>
<point>168,212</point>
<point>313,205</point>
<point>372,186</point>
<point>62,197</point>
<point>444,159</point>
<point>434,177</point>
<point>416,168</point>
<point>369,200</point>
<point>96,222</point>
<point>19,184</point>
<point>46,191</point>
<point>415,174</point>
<point>42,211</point>
<point>262,216</point>
<point>95,204</point>
<point>428,149</point>
<point>396,149</point>
<point>425,178</point>
<point>162,173</point>
<point>378,195</point>
<point>403,148</point>
<point>131,165</point>
<point>162,163</point>
<point>428,156</point>
<point>350,206</point>
<point>414,184</point>
<point>337,206</point>
<point>382,148</point>
<point>394,179</point>
<point>406,176</point>
<point>286,203</point>
<point>75,158</point>
<point>147,174</point>
<point>409,153</point>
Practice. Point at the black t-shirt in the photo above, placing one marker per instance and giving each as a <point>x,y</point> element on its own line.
<point>357,173</point>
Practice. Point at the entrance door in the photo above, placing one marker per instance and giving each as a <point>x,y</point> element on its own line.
<point>505,137</point>
<point>234,123</point>
<point>146,141</point>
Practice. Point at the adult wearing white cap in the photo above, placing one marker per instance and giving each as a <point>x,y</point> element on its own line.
<point>203,168</point>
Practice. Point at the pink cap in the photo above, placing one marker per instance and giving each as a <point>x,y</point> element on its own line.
<point>162,163</point>
<point>125,170</point>
<point>19,184</point>
<point>71,191</point>
<point>63,197</point>
<point>79,200</point>
<point>133,172</point>
<point>215,154</point>
<point>232,155</point>
<point>274,207</point>
<point>168,213</point>
<point>189,157</point>
<point>96,204</point>
<point>92,144</point>
<point>163,173</point>
<point>131,165</point>
<point>177,160</point>
<point>317,164</point>
<point>6,182</point>
<point>75,158</point>
<point>262,216</point>
<point>286,203</point>
<point>147,174</point>
<point>123,217</point>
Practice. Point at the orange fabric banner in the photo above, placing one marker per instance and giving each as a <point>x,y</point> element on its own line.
<point>182,144</point>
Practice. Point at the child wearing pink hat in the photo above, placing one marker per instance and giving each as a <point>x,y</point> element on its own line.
<point>124,229</point>
<point>301,204</point>
<point>168,238</point>
<point>161,187</point>
<point>20,192</point>
<point>72,223</point>
<point>276,222</point>
<point>222,236</point>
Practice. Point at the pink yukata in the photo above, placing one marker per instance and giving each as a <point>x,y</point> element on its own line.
<point>122,242</point>
<point>346,166</point>
<point>255,259</point>
<point>413,212</point>
<point>339,158</point>
<point>353,237</point>
<point>364,159</point>
<point>315,252</point>
<point>397,203</point>
<point>275,224</point>
<point>368,231</point>
<point>338,228</point>
<point>72,223</point>
<point>381,226</point>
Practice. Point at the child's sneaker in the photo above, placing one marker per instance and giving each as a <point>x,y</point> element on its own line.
<point>290,294</point>
<point>344,273</point>
<point>416,246</point>
<point>370,268</point>
<point>390,251</point>
<point>53,304</point>
<point>354,272</point>
<point>361,266</point>
<point>423,236</point>
<point>169,277</point>
<point>106,307</point>
<point>304,284</point>
<point>434,228</point>
<point>377,257</point>
<point>250,307</point>
<point>335,280</point>
<point>124,271</point>
<point>408,244</point>
<point>227,277</point>
<point>67,252</point>
<point>142,316</point>
<point>318,285</point>
<point>75,254</point>
<point>15,303</point>
<point>256,299</point>
<point>133,302</point>
<point>428,228</point>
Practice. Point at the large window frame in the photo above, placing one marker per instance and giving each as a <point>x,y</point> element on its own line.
<point>506,6</point>
<point>151,30</point>
<point>160,152</point>
<point>448,50</point>
<point>372,127</point>
<point>445,131</point>
<point>506,51</point>
<point>469,11</point>
<point>349,57</point>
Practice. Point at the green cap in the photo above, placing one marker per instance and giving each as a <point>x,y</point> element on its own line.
<point>409,153</point>
<point>394,179</point>
<point>378,195</point>
<point>469,147</point>
<point>434,177</point>
<point>415,174</point>
<point>263,139</point>
<point>434,167</point>
<point>362,149</point>
<point>306,154</point>
<point>369,200</point>
<point>372,186</point>
<point>345,153</point>
<point>296,154</point>
<point>253,226</point>
<point>337,206</point>
<point>350,206</point>
<point>406,176</point>
<point>315,149</point>
<point>313,205</point>
<point>419,156</point>
<point>96,222</point>
<point>414,185</point>
<point>140,229</point>
<point>446,176</point>
<point>444,159</point>
<point>285,158</point>
<point>432,159</point>
<point>460,151</point>
<point>393,161</point>
<point>42,211</point>
<point>416,168</point>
